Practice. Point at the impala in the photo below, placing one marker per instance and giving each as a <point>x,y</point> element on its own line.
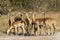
<point>15,25</point>
<point>18,22</point>
<point>48,23</point>
<point>30,23</point>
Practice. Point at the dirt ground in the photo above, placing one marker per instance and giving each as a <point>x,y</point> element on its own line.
<point>4,26</point>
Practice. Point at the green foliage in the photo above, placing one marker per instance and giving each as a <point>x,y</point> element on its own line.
<point>3,7</point>
<point>30,5</point>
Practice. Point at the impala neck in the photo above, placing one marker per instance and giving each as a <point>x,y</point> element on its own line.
<point>33,17</point>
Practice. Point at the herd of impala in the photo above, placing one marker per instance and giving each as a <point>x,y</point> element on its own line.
<point>35,24</point>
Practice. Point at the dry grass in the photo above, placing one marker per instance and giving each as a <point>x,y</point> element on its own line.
<point>4,19</point>
<point>4,25</point>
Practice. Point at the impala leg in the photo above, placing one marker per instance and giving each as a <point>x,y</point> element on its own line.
<point>8,31</point>
<point>16,30</point>
<point>23,29</point>
<point>38,31</point>
<point>51,31</point>
<point>46,29</point>
<point>29,31</point>
<point>46,32</point>
<point>54,29</point>
<point>35,30</point>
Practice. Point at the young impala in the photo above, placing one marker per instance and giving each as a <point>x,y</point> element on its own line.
<point>18,22</point>
<point>16,25</point>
